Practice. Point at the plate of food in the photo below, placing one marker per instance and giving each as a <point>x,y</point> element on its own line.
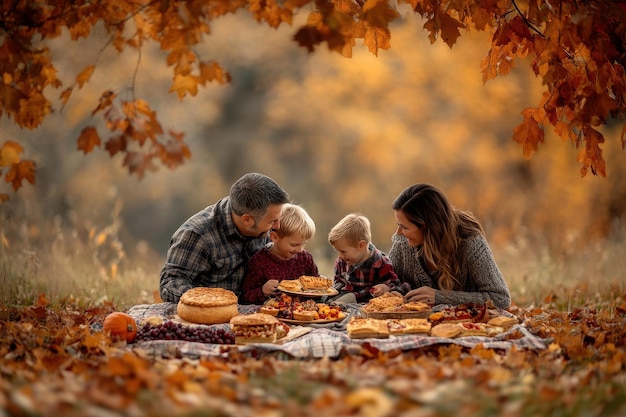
<point>329,291</point>
<point>296,311</point>
<point>308,286</point>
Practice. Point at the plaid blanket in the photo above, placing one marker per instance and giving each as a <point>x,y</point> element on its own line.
<point>324,340</point>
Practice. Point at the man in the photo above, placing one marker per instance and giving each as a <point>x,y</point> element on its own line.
<point>212,247</point>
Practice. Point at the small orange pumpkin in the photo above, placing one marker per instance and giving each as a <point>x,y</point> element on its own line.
<point>120,326</point>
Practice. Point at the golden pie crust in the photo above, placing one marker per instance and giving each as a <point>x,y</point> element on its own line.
<point>503,321</point>
<point>359,328</point>
<point>447,330</point>
<point>416,306</point>
<point>293,285</point>
<point>315,283</point>
<point>386,302</point>
<point>205,305</point>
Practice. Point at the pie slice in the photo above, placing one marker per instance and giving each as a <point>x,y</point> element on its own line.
<point>473,329</point>
<point>293,285</point>
<point>386,302</point>
<point>447,330</point>
<point>361,328</point>
<point>315,283</point>
<point>503,321</point>
<point>408,326</point>
<point>416,306</point>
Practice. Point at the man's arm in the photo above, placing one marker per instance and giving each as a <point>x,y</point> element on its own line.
<point>187,257</point>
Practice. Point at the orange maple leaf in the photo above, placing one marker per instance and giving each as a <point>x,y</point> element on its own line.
<point>138,163</point>
<point>88,139</point>
<point>212,71</point>
<point>529,133</point>
<point>116,144</point>
<point>449,28</point>
<point>175,151</point>
<point>377,37</point>
<point>591,155</point>
<point>24,170</point>
<point>184,84</point>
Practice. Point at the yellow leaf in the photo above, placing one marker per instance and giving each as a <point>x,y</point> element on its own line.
<point>10,153</point>
<point>184,84</point>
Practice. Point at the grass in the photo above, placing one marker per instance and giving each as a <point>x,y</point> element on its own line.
<point>93,267</point>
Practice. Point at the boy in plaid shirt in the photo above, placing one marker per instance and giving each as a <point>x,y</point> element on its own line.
<point>362,271</point>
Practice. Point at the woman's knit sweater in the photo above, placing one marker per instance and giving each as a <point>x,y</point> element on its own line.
<point>483,278</point>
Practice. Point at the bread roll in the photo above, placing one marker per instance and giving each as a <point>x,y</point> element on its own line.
<point>205,305</point>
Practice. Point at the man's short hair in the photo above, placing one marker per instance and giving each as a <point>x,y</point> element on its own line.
<point>253,193</point>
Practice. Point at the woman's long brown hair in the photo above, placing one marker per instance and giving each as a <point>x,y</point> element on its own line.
<point>443,227</point>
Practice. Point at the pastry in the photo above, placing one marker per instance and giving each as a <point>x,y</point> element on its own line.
<point>408,326</point>
<point>254,328</point>
<point>310,283</point>
<point>360,328</point>
<point>205,305</point>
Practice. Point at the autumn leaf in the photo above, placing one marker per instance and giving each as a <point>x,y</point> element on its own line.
<point>88,139</point>
<point>377,37</point>
<point>85,75</point>
<point>591,155</point>
<point>212,71</point>
<point>529,133</point>
<point>138,163</point>
<point>18,172</point>
<point>449,28</point>
<point>10,153</point>
<point>116,144</point>
<point>175,151</point>
<point>184,84</point>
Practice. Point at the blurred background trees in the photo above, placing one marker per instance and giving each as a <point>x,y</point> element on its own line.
<point>340,135</point>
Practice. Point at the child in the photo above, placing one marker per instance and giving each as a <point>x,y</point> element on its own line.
<point>283,258</point>
<point>361,270</point>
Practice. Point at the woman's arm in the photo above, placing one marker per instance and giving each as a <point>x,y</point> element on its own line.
<point>484,279</point>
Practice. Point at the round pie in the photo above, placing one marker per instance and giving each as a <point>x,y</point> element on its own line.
<point>205,305</point>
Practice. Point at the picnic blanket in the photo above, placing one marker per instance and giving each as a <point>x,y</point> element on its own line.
<point>323,340</point>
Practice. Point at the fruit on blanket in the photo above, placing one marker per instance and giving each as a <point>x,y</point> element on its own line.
<point>120,326</point>
<point>170,330</point>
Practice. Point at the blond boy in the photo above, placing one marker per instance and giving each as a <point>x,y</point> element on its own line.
<point>283,258</point>
<point>361,270</point>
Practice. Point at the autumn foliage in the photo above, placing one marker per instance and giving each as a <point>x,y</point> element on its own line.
<point>55,361</point>
<point>576,48</point>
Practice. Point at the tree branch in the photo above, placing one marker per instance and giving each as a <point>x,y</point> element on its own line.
<point>528,23</point>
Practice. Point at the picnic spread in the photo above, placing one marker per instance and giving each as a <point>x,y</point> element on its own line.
<point>329,333</point>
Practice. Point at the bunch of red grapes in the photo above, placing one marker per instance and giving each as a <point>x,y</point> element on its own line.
<point>170,330</point>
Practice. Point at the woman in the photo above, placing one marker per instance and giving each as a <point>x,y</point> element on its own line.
<point>441,252</point>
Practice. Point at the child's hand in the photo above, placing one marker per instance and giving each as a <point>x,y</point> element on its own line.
<point>270,287</point>
<point>378,290</point>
